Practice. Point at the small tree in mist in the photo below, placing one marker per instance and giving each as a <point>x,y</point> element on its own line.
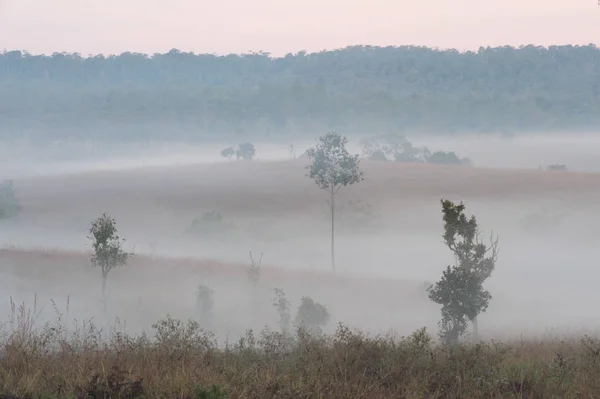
<point>228,152</point>
<point>108,248</point>
<point>9,204</point>
<point>205,306</point>
<point>460,290</point>
<point>253,274</point>
<point>312,315</point>
<point>282,305</point>
<point>245,151</point>
<point>333,168</point>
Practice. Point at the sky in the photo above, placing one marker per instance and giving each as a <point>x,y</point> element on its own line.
<point>288,26</point>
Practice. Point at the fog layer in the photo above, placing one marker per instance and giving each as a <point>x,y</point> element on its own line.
<point>388,232</point>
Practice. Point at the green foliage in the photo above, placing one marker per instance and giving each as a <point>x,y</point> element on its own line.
<point>228,152</point>
<point>245,151</point>
<point>377,156</point>
<point>312,315</point>
<point>214,393</point>
<point>9,204</point>
<point>355,89</point>
<point>107,245</point>
<point>332,166</point>
<point>460,290</point>
<point>395,147</point>
<point>447,158</point>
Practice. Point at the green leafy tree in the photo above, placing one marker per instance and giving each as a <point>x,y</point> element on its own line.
<point>447,158</point>
<point>312,315</point>
<point>460,290</point>
<point>245,151</point>
<point>228,152</point>
<point>392,147</point>
<point>108,248</point>
<point>333,168</point>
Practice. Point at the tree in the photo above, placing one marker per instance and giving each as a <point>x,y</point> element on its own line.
<point>393,147</point>
<point>282,305</point>
<point>253,274</point>
<point>312,315</point>
<point>108,248</point>
<point>460,290</point>
<point>333,168</point>
<point>205,306</point>
<point>378,156</point>
<point>245,151</point>
<point>447,158</point>
<point>9,204</point>
<point>228,152</point>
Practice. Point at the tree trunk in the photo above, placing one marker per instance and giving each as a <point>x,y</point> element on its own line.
<point>332,231</point>
<point>475,329</point>
<point>104,294</point>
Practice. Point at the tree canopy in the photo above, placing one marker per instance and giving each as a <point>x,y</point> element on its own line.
<point>358,89</point>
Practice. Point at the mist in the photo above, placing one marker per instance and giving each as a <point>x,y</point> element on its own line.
<point>546,222</point>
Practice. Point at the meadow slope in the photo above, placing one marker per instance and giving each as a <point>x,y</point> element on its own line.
<point>546,222</point>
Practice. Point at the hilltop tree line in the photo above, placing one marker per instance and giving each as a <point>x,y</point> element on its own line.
<point>356,90</point>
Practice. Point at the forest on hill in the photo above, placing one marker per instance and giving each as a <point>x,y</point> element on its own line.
<point>358,89</point>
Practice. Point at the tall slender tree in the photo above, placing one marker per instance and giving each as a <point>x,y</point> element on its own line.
<point>333,168</point>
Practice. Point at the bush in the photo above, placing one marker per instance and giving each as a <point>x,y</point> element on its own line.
<point>209,223</point>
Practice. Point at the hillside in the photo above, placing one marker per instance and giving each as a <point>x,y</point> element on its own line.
<point>352,90</point>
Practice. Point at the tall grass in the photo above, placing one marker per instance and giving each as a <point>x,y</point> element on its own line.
<point>180,360</point>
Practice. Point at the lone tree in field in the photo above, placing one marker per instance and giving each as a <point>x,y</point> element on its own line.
<point>312,315</point>
<point>333,168</point>
<point>253,274</point>
<point>108,248</point>
<point>460,290</point>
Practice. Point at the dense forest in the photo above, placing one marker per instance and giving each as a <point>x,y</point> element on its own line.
<point>353,90</point>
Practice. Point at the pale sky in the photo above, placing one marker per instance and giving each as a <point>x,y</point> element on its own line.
<point>282,26</point>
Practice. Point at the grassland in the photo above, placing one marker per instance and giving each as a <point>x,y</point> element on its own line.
<point>44,357</point>
<point>180,360</point>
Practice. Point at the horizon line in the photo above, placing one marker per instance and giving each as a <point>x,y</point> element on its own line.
<point>299,52</point>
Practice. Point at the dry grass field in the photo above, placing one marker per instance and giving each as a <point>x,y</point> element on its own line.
<point>179,360</point>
